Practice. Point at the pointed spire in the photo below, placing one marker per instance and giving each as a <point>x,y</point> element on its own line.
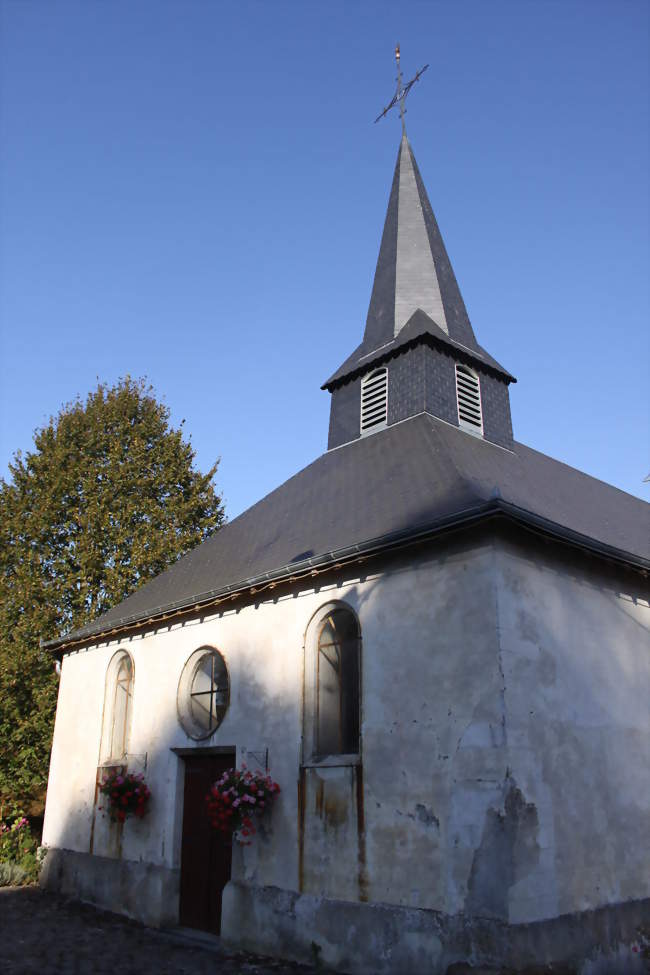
<point>415,296</point>
<point>413,269</point>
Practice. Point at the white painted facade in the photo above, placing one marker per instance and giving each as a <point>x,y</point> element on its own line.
<point>504,760</point>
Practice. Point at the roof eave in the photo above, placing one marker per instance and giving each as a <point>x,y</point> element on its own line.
<point>296,571</point>
<point>425,338</point>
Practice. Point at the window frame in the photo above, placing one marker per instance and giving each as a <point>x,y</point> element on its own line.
<point>108,754</point>
<point>311,756</point>
<point>185,694</point>
<point>382,423</point>
<point>466,371</point>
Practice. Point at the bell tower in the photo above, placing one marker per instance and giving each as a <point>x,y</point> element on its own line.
<point>419,353</point>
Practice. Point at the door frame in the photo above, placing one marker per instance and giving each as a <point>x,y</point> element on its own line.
<point>205,750</point>
<point>198,751</point>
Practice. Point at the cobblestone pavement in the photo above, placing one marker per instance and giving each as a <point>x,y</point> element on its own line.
<point>44,934</point>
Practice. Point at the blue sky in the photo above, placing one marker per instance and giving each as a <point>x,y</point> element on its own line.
<point>194,192</point>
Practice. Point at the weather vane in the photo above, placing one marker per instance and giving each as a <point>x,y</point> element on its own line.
<point>401,91</point>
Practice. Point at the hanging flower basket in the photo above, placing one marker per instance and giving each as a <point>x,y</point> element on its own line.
<point>236,798</point>
<point>126,794</point>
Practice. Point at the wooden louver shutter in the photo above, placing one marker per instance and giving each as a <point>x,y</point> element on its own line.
<point>374,400</point>
<point>468,395</point>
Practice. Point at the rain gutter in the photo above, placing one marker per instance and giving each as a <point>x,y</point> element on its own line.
<point>349,555</point>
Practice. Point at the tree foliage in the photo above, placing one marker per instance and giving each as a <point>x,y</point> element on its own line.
<point>108,498</point>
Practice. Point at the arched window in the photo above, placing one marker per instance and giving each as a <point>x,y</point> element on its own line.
<point>374,401</point>
<point>468,397</point>
<point>118,698</point>
<point>332,691</point>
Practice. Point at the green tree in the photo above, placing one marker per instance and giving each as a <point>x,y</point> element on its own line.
<point>108,498</point>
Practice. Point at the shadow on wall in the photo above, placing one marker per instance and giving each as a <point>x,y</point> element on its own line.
<point>124,866</point>
<point>569,733</point>
<point>572,629</point>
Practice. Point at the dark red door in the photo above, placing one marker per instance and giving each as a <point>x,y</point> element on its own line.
<point>205,853</point>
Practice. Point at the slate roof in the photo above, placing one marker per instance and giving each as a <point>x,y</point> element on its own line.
<point>418,328</point>
<point>411,478</point>
<point>413,274</point>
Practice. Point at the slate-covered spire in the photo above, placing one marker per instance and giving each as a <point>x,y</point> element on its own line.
<point>415,295</point>
<point>417,336</point>
<point>413,269</point>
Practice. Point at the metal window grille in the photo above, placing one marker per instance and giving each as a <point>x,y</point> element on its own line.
<point>468,396</point>
<point>374,400</point>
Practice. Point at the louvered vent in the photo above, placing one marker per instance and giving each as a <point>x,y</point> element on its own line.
<point>374,400</point>
<point>468,395</point>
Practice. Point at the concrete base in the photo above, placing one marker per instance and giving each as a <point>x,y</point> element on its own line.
<point>382,939</point>
<point>139,890</point>
<point>362,938</point>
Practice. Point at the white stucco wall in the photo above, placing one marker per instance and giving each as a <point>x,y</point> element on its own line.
<point>419,694</point>
<point>575,652</point>
<point>504,764</point>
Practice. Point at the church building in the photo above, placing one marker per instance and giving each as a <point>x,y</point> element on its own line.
<point>434,639</point>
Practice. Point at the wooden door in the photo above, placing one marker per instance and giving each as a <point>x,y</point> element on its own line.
<point>205,853</point>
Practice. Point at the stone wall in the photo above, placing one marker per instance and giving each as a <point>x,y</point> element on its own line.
<point>574,650</point>
<point>504,744</point>
<point>418,694</point>
<point>387,939</point>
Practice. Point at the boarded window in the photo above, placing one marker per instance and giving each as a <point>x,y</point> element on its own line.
<point>468,395</point>
<point>337,684</point>
<point>374,401</point>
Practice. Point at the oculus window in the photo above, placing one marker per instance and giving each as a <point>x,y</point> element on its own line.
<point>333,691</point>
<point>203,693</point>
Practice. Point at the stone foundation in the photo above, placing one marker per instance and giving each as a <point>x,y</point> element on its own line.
<point>362,938</point>
<point>382,939</point>
<point>142,891</point>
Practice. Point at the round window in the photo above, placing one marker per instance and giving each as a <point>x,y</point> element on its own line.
<point>203,693</point>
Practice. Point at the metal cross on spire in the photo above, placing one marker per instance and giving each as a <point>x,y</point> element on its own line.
<point>401,91</point>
